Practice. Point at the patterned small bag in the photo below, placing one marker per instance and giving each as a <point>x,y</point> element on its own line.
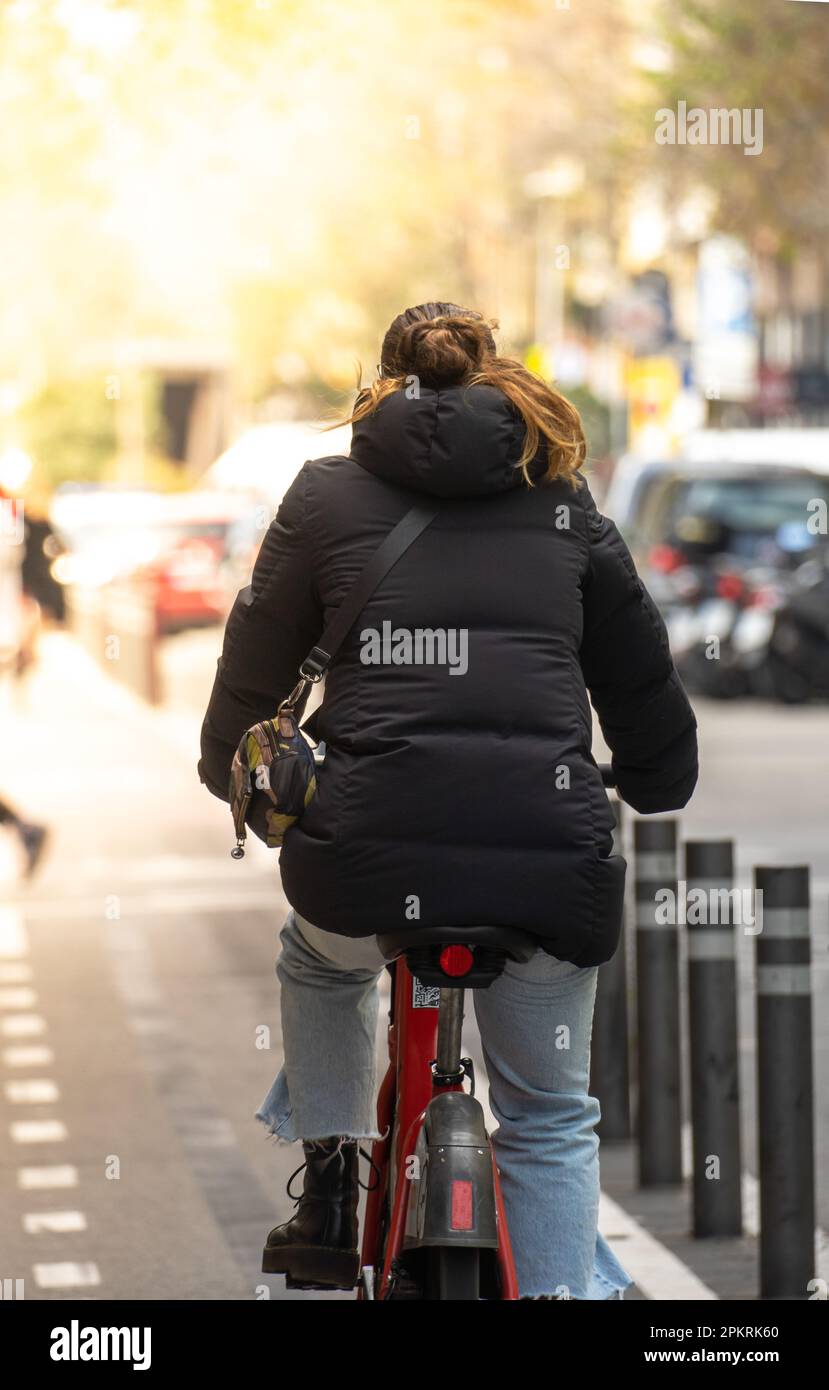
<point>274,756</point>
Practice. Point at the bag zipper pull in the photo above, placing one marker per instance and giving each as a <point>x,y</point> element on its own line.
<point>238,851</point>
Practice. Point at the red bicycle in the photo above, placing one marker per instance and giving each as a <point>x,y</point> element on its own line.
<point>435,1225</point>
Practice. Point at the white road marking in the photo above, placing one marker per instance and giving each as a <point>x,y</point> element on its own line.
<point>22,1025</point>
<point>38,1131</point>
<point>166,904</point>
<point>34,1056</point>
<point>55,1175</point>
<point>20,998</point>
<point>170,868</point>
<point>17,994</point>
<point>36,1222</point>
<point>655,1269</point>
<point>14,941</point>
<point>15,972</point>
<point>66,1276</point>
<point>34,1092</point>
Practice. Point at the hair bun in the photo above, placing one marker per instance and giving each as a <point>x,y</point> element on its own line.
<point>442,351</point>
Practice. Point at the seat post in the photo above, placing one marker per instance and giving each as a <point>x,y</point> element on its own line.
<point>450,1028</point>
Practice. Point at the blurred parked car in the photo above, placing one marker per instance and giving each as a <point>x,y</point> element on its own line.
<point>105,531</point>
<point>723,541</point>
<point>191,538</point>
<point>173,545</point>
<point>260,466</point>
<point>265,459</point>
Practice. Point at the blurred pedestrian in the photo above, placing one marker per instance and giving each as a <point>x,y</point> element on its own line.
<point>41,596</point>
<point>33,837</point>
<point>41,547</point>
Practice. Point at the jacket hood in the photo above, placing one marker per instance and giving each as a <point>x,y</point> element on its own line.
<point>460,441</point>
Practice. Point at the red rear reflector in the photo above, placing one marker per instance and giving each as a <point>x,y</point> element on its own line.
<point>461,1206</point>
<point>456,960</point>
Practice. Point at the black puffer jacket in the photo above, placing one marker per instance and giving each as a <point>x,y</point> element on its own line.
<point>471,798</point>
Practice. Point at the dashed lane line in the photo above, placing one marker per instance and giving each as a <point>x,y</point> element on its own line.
<point>14,942</point>
<point>21,997</point>
<point>22,1026</point>
<point>35,1055</point>
<point>239,1204</point>
<point>47,1176</point>
<point>46,1222</point>
<point>66,1275</point>
<point>17,1000</point>
<point>14,972</point>
<point>38,1131</point>
<point>41,1091</point>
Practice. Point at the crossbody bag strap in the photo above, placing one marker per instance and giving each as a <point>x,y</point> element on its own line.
<point>395,545</point>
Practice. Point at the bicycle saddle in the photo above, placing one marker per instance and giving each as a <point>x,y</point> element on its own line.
<point>516,944</point>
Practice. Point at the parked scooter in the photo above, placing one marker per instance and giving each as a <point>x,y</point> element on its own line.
<point>760,631</point>
<point>705,636</point>
<point>797,660</point>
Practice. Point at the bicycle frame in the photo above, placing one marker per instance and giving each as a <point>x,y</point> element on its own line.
<point>406,1090</point>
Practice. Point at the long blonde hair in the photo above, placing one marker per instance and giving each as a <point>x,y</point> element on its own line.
<point>456,348</point>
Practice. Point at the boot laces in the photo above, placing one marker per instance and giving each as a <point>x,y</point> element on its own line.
<point>326,1160</point>
<point>375,1170</point>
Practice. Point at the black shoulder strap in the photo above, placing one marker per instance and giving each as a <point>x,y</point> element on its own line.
<point>384,558</point>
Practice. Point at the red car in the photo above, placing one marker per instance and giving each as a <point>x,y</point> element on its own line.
<point>186,570</point>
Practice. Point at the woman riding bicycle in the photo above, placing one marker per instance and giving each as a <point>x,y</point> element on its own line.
<point>459,792</point>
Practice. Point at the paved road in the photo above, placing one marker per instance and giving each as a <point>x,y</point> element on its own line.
<point>136,969</point>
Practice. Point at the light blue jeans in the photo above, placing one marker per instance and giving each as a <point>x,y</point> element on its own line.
<point>535,1023</point>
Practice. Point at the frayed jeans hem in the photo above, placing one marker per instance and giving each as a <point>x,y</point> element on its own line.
<point>274,1131</point>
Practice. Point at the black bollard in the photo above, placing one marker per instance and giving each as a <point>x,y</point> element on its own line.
<point>784,1084</point>
<point>659,1123</point>
<point>609,1066</point>
<point>712,1027</point>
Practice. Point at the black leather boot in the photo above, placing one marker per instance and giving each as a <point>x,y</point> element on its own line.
<point>317,1248</point>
